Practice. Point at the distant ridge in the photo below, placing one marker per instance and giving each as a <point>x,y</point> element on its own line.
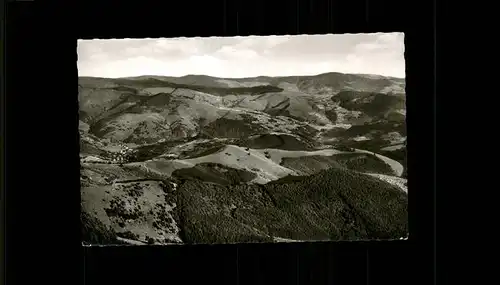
<point>373,76</point>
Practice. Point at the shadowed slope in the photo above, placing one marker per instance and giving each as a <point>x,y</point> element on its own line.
<point>334,204</point>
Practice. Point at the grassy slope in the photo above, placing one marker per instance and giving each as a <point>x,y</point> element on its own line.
<point>216,173</point>
<point>135,207</point>
<point>381,127</point>
<point>95,232</point>
<point>281,141</point>
<point>398,155</point>
<point>353,161</point>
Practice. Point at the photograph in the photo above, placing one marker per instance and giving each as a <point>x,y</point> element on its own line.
<point>255,139</point>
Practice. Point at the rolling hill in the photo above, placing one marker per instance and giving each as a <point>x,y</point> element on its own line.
<point>199,159</point>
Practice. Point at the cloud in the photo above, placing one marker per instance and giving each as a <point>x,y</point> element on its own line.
<point>260,43</point>
<point>235,53</point>
<point>244,56</point>
<point>383,43</point>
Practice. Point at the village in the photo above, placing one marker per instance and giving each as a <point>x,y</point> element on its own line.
<point>124,155</point>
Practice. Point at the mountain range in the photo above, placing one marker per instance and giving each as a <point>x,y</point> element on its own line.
<point>200,159</point>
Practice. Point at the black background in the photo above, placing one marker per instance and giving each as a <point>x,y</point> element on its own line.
<point>42,151</point>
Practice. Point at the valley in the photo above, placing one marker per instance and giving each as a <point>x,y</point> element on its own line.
<point>200,159</point>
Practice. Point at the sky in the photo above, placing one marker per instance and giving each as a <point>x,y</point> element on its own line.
<point>237,57</point>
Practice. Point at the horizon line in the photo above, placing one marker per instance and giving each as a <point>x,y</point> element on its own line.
<point>146,75</point>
